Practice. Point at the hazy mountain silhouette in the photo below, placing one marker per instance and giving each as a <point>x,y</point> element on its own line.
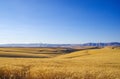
<point>60,45</point>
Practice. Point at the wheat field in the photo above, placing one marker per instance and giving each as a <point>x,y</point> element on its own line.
<point>101,63</point>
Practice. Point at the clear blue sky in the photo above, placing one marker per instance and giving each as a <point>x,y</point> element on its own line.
<point>59,21</point>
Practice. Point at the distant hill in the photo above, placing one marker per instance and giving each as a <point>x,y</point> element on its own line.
<point>60,45</point>
<point>102,44</point>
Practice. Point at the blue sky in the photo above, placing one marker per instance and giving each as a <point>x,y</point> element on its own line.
<point>59,21</point>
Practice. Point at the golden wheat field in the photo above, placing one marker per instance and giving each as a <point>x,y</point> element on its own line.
<point>54,63</point>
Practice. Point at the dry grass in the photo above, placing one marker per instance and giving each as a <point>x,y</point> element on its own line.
<point>99,64</point>
<point>32,52</point>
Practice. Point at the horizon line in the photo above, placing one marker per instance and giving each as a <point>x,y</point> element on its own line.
<point>57,43</point>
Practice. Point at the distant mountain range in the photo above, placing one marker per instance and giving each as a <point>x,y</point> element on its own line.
<point>60,45</point>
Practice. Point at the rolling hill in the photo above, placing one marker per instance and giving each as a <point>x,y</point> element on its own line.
<point>92,52</point>
<point>33,52</point>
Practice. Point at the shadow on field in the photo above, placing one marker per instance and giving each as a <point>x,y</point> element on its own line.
<point>37,52</point>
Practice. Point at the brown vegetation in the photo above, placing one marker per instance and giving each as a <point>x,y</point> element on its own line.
<point>86,64</point>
